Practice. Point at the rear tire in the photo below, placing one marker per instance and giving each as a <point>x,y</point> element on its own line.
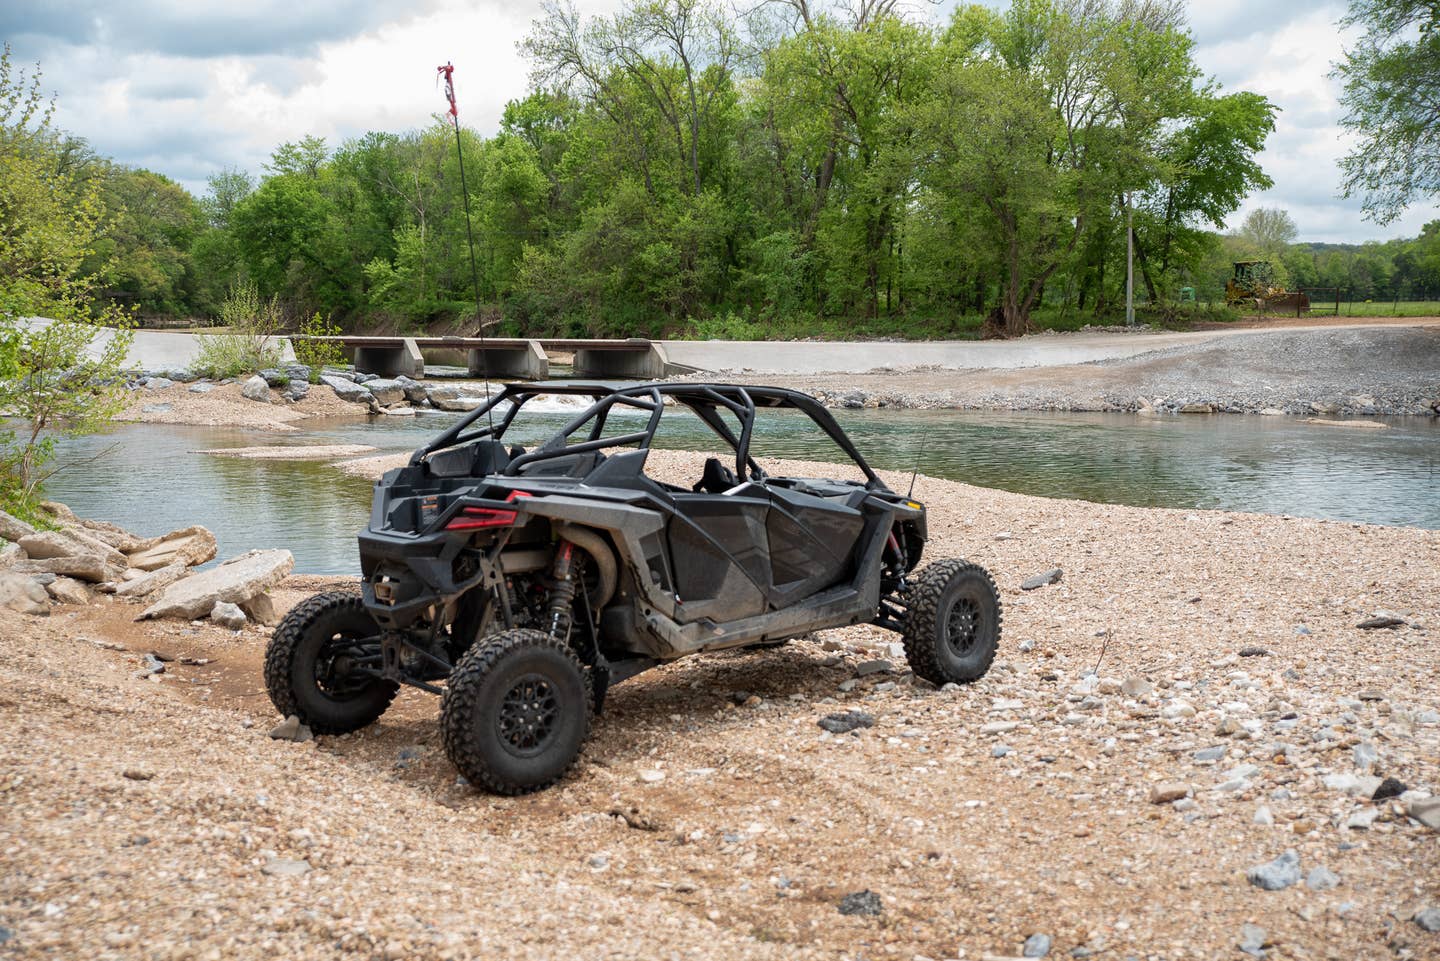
<point>953,625</point>
<point>307,665</point>
<point>516,712</point>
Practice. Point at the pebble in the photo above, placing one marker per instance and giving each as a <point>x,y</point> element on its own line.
<point>865,902</point>
<point>285,868</point>
<point>1167,791</point>
<point>1254,652</point>
<point>1428,919</point>
<point>1321,879</point>
<point>1177,709</point>
<point>1276,875</point>
<point>1211,753</point>
<point>999,727</point>
<point>1000,750</point>
<point>1390,787</point>
<point>1263,816</point>
<point>1036,946</point>
<point>1052,576</point>
<point>1426,811</point>
<point>1376,623</point>
<point>846,721</point>
<point>1362,819</point>
<point>291,729</point>
<point>866,668</point>
<point>651,776</point>
<point>1365,756</point>
<point>1252,940</point>
<point>1136,687</point>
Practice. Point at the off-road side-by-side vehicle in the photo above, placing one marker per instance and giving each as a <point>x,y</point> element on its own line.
<point>529,582</point>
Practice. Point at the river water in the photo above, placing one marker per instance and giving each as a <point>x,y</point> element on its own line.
<point>149,478</point>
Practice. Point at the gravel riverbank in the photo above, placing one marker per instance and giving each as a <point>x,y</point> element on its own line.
<point>1238,713</point>
<point>1380,370</point>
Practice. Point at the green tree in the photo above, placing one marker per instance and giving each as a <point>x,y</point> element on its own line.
<point>58,375</point>
<point>1392,89</point>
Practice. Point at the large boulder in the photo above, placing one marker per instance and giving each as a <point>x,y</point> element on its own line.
<point>346,389</point>
<point>13,528</point>
<point>154,580</point>
<point>387,392</point>
<point>415,392</point>
<point>193,545</point>
<point>43,545</point>
<point>255,388</point>
<point>112,534</point>
<point>84,567</point>
<point>234,582</point>
<point>23,594</point>
<point>454,398</point>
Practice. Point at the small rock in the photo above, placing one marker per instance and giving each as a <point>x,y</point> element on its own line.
<point>861,902</point>
<point>1362,819</point>
<point>1276,875</point>
<point>291,729</point>
<point>866,668</point>
<point>1365,756</point>
<point>1252,940</point>
<point>846,721</point>
<point>1210,753</point>
<point>1136,687</point>
<point>135,774</point>
<point>1376,623</point>
<point>1177,709</point>
<point>283,867</point>
<point>1052,576</point>
<point>1428,919</point>
<point>1036,946</point>
<point>151,665</point>
<point>158,383</point>
<point>1000,750</point>
<point>1263,817</point>
<point>1426,811</point>
<point>1167,791</point>
<point>1390,787</point>
<point>1254,652</point>
<point>261,610</point>
<point>228,615</point>
<point>998,727</point>
<point>1321,879</point>
<point>202,388</point>
<point>652,776</point>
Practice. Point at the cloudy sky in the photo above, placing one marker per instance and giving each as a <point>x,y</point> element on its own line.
<point>188,88</point>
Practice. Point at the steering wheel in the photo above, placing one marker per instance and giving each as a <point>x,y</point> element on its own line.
<point>716,478</point>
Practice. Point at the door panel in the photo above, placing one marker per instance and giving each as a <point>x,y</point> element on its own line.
<point>812,540</point>
<point>718,549</point>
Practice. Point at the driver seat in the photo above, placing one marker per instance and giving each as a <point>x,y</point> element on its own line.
<point>716,478</point>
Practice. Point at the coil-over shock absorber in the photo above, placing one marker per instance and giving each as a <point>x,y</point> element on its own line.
<point>563,578</point>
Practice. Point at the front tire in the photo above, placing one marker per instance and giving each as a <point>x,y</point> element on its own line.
<point>311,665</point>
<point>516,711</point>
<point>953,625</point>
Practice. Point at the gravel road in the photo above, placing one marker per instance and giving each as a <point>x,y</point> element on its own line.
<point>1238,713</point>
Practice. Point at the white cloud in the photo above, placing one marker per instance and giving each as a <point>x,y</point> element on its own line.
<point>188,89</point>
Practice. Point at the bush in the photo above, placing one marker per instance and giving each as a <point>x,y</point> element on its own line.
<point>318,354</point>
<point>253,342</point>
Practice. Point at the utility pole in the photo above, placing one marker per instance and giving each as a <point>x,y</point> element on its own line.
<point>1129,263</point>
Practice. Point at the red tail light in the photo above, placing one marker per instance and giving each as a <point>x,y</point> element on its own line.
<point>479,518</point>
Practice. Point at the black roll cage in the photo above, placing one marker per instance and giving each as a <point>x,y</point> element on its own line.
<point>703,399</point>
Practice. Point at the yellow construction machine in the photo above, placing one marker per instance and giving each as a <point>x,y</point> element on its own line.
<point>1253,285</point>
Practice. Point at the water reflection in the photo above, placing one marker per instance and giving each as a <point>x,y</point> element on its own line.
<point>153,482</point>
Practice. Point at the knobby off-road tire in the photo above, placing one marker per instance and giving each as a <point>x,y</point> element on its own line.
<point>305,665</point>
<point>516,711</point>
<point>952,628</point>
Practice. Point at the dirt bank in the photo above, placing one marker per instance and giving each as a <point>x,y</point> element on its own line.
<point>1382,369</point>
<point>140,818</point>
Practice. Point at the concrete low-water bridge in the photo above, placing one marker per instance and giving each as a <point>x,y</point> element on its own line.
<point>520,358</point>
